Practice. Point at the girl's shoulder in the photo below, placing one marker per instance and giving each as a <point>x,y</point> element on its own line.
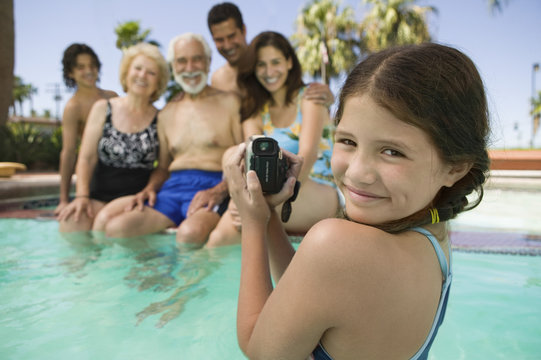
<point>340,239</point>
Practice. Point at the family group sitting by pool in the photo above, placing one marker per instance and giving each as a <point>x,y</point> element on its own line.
<point>408,144</point>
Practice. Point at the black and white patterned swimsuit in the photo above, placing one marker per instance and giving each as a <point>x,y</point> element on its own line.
<point>125,160</point>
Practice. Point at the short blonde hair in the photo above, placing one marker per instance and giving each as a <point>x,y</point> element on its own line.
<point>152,52</point>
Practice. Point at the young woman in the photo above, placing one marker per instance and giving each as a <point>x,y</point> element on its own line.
<point>120,143</point>
<point>410,145</point>
<point>274,106</point>
<point>81,68</point>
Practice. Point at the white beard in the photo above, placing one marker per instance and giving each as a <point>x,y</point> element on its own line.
<point>192,89</point>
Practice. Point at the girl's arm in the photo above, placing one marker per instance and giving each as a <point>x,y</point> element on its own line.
<point>280,249</point>
<point>262,329</point>
<point>68,155</point>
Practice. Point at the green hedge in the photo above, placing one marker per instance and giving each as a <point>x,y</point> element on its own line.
<point>25,143</point>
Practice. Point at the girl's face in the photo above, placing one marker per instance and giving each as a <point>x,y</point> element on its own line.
<point>386,169</point>
<point>272,68</point>
<point>142,77</point>
<point>85,71</point>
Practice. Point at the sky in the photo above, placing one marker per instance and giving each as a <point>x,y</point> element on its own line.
<point>504,45</point>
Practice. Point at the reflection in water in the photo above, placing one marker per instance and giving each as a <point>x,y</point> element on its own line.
<point>161,266</point>
<point>193,267</point>
<point>85,249</point>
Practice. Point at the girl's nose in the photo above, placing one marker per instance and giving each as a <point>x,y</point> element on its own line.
<point>362,169</point>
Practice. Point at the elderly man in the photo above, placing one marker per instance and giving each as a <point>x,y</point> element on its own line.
<point>229,34</point>
<point>194,131</point>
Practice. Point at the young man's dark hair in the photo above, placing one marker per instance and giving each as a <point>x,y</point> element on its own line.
<point>69,60</point>
<point>221,12</point>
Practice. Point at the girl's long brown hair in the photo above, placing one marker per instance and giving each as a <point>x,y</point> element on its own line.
<point>437,89</point>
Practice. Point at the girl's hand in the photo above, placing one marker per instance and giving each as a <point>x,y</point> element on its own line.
<point>294,169</point>
<point>245,192</point>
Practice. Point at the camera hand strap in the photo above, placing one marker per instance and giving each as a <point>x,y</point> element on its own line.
<point>286,208</point>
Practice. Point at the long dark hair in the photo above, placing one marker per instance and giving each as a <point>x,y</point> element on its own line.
<point>255,95</point>
<point>437,89</point>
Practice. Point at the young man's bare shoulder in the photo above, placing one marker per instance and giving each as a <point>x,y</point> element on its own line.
<point>219,73</point>
<point>227,98</point>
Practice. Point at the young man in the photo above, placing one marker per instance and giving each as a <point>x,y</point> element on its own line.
<point>81,68</point>
<point>229,35</point>
<point>194,131</point>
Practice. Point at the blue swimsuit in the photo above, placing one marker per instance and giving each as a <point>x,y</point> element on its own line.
<point>319,352</point>
<point>288,138</point>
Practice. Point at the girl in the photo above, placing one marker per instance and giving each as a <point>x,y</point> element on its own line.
<point>410,145</point>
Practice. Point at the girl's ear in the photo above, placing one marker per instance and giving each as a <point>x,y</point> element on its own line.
<point>457,172</point>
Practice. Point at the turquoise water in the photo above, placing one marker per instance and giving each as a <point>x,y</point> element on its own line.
<point>71,300</point>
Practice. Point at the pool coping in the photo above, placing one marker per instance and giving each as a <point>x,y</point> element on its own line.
<point>33,196</point>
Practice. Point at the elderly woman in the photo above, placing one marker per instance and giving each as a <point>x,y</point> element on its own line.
<point>120,142</point>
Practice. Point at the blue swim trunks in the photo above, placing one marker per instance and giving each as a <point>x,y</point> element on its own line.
<point>177,192</point>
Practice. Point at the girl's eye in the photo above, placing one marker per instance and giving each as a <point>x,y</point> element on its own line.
<point>345,141</point>
<point>393,153</point>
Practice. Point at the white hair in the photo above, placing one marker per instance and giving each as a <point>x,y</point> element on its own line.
<point>187,36</point>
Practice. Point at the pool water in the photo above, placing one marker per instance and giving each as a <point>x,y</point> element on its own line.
<point>63,299</point>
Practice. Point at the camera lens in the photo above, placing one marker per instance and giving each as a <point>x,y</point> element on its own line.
<point>263,146</point>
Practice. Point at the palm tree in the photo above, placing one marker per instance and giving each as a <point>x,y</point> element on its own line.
<point>325,39</point>
<point>536,113</point>
<point>394,22</point>
<point>128,34</point>
<point>7,59</point>
<point>21,93</point>
<point>496,5</point>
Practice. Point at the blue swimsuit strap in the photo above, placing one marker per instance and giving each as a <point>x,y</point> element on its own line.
<point>446,272</point>
<point>439,251</point>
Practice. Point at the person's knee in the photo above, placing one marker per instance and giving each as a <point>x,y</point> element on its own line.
<point>219,237</point>
<point>101,220</point>
<point>216,238</point>
<point>84,223</point>
<point>190,232</point>
<point>116,228</point>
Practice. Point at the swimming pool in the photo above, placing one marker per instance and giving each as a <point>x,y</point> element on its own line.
<point>66,300</point>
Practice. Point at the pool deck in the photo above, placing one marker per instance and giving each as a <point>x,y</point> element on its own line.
<point>25,195</point>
